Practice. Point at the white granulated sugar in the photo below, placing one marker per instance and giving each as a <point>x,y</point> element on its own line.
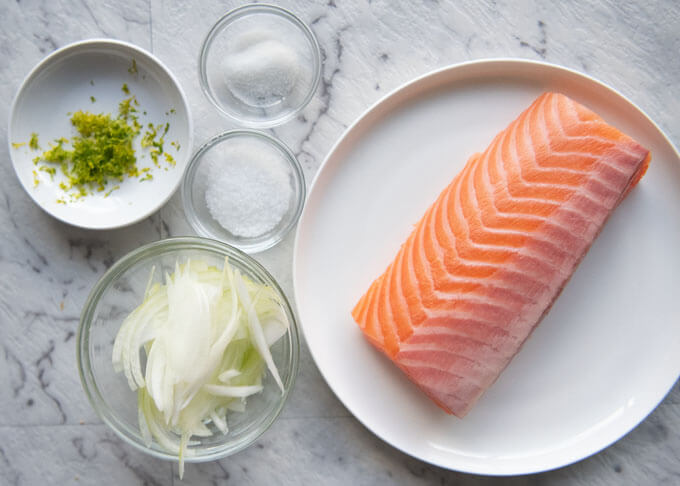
<point>248,191</point>
<point>260,70</point>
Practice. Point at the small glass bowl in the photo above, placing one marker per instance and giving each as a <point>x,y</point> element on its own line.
<point>199,184</point>
<point>120,291</point>
<point>260,65</point>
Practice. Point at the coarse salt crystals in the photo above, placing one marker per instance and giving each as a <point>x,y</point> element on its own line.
<point>248,190</point>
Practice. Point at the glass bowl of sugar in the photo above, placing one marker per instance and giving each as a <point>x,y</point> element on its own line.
<point>260,65</point>
<point>245,188</point>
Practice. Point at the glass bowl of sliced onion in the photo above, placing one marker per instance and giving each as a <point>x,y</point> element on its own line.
<point>188,349</point>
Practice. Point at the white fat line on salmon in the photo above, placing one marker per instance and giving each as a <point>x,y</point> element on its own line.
<point>501,251</point>
<point>512,136</point>
<point>455,241</point>
<point>477,374</point>
<point>397,275</point>
<point>597,123</point>
<point>500,232</point>
<point>464,383</point>
<point>501,335</point>
<point>490,357</point>
<point>578,190</point>
<point>442,296</point>
<point>469,317</point>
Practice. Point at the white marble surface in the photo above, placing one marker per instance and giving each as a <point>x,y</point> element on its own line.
<point>48,432</point>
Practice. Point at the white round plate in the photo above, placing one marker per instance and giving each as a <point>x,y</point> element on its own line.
<point>63,83</point>
<point>601,360</point>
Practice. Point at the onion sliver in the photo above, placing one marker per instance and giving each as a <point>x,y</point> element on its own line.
<point>257,334</point>
<point>232,391</point>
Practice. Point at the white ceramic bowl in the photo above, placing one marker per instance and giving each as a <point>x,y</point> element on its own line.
<point>63,83</point>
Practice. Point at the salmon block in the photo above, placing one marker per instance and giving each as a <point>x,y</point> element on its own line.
<point>491,255</point>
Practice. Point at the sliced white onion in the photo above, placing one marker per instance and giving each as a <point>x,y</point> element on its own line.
<point>206,334</point>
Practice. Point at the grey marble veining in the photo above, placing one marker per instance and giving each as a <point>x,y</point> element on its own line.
<point>48,432</point>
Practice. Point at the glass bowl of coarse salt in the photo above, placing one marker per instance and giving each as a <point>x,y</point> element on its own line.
<point>260,65</point>
<point>245,188</point>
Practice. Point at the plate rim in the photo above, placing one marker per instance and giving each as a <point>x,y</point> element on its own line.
<point>93,43</point>
<point>479,63</point>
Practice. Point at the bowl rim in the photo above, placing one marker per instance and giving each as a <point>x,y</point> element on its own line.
<point>98,42</point>
<point>132,435</point>
<point>242,11</point>
<point>190,173</point>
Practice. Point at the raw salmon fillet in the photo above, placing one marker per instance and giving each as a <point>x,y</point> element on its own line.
<point>491,255</point>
